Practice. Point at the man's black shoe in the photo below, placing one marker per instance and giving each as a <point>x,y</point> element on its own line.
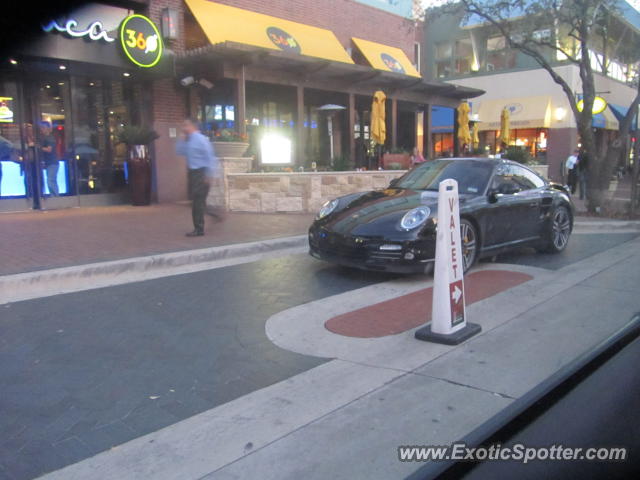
<point>195,233</point>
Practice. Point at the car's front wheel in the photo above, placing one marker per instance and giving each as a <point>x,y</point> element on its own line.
<point>469,237</point>
<point>558,231</point>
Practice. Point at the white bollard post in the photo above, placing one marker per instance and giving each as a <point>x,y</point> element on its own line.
<point>448,318</point>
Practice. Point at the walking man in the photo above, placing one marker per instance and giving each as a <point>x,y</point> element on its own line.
<point>48,157</point>
<point>572,171</point>
<point>203,167</point>
<point>583,169</point>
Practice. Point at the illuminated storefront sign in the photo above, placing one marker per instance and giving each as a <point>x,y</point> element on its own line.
<point>6,112</point>
<point>283,40</point>
<point>599,105</point>
<point>139,37</point>
<point>141,41</point>
<point>95,31</point>
<point>391,63</point>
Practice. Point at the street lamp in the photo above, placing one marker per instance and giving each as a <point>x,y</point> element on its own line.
<point>331,109</point>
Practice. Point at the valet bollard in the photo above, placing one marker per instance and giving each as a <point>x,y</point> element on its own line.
<point>448,318</point>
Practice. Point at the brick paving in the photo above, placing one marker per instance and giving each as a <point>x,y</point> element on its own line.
<point>39,240</point>
<point>412,310</point>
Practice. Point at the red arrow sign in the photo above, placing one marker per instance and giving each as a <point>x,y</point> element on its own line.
<point>456,297</point>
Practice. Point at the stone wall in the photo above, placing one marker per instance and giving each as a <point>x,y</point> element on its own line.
<point>297,192</point>
<point>218,196</point>
<point>303,192</point>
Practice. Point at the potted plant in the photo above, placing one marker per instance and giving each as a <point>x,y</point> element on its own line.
<point>230,144</point>
<point>137,139</point>
<point>396,155</point>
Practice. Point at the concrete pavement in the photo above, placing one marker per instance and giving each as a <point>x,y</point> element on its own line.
<point>346,417</point>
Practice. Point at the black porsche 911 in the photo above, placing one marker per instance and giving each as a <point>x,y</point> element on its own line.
<point>503,204</point>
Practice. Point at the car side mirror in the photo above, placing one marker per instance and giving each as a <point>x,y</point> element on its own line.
<point>393,182</point>
<point>493,196</point>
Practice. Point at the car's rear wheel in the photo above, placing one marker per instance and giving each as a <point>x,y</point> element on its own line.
<point>469,237</point>
<point>559,231</point>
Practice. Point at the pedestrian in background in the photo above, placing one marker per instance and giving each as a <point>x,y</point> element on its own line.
<point>582,172</point>
<point>49,158</point>
<point>202,167</point>
<point>416,157</point>
<point>572,173</point>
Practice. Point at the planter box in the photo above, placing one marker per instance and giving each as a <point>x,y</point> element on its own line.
<point>230,149</point>
<point>402,159</point>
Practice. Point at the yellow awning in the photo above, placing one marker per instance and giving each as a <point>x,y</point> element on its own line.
<point>222,23</point>
<point>525,112</point>
<point>384,57</point>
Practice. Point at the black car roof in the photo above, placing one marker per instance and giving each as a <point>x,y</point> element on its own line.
<point>492,161</point>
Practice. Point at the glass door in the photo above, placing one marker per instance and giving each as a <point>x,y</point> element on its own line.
<point>16,160</point>
<point>53,150</point>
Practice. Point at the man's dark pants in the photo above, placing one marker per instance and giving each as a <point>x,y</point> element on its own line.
<point>198,189</point>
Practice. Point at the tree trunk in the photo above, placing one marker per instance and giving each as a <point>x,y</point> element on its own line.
<point>595,190</point>
<point>635,177</point>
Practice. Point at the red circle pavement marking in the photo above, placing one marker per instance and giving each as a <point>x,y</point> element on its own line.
<point>414,309</point>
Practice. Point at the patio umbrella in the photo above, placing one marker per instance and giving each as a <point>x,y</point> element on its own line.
<point>504,126</point>
<point>464,135</point>
<point>378,125</point>
<point>476,135</point>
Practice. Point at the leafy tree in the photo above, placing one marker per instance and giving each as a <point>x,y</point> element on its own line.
<point>574,27</point>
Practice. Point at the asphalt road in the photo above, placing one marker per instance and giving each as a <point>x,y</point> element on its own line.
<point>580,247</point>
<point>82,372</point>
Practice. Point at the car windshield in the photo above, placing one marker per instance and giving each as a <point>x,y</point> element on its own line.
<point>472,176</point>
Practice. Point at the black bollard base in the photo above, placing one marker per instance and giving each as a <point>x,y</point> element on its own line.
<point>455,338</point>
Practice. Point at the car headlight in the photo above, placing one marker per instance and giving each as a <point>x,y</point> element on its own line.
<point>327,208</point>
<point>414,218</point>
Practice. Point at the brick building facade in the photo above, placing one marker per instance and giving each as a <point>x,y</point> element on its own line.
<point>345,18</point>
<point>88,91</point>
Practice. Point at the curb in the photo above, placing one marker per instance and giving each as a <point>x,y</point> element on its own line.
<point>608,224</point>
<point>25,285</point>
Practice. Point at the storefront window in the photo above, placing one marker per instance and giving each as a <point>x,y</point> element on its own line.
<point>79,117</point>
<point>444,56</point>
<point>499,56</point>
<point>100,109</point>
<point>443,69</point>
<point>443,144</point>
<point>531,140</point>
<point>12,183</point>
<point>270,110</point>
<point>444,50</point>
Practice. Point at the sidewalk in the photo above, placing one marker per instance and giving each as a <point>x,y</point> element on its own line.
<point>39,240</point>
<point>619,192</point>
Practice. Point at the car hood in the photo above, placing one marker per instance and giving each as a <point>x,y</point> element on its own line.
<point>378,213</point>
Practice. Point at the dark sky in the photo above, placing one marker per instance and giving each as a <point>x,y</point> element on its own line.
<point>21,19</point>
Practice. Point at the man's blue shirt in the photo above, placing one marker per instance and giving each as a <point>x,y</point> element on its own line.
<point>199,152</point>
